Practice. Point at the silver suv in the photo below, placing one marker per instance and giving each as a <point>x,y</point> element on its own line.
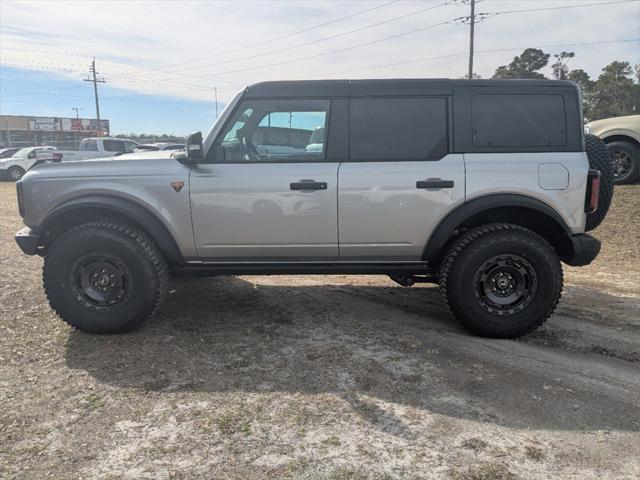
<point>481,186</point>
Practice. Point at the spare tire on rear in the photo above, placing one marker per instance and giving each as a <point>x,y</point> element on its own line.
<point>600,158</point>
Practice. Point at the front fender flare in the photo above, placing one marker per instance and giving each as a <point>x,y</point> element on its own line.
<point>124,208</point>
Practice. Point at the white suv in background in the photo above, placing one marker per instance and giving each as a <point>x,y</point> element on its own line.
<point>15,166</point>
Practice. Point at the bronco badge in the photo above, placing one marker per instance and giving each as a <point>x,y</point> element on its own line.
<point>177,186</point>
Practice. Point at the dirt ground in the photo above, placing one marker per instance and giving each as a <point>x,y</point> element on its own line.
<point>324,377</point>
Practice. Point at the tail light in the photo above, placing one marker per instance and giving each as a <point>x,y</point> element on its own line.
<point>20,192</point>
<point>593,191</point>
<point>56,157</point>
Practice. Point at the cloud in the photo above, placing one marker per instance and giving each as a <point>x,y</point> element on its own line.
<point>130,37</point>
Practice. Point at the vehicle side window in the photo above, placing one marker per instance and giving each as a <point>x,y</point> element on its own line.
<point>129,147</point>
<point>275,131</point>
<point>90,146</point>
<point>113,145</point>
<point>518,121</point>
<point>397,129</point>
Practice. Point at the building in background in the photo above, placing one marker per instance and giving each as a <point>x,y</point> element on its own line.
<point>20,131</point>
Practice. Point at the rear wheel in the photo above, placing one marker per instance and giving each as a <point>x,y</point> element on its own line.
<point>501,280</point>
<point>626,161</point>
<point>15,173</point>
<point>105,277</point>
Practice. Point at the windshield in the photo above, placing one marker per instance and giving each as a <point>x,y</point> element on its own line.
<point>23,152</point>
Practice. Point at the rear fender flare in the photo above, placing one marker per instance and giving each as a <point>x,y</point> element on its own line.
<point>451,222</point>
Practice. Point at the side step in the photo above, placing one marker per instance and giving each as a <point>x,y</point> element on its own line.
<point>414,270</point>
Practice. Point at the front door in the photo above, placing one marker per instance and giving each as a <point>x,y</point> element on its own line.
<point>267,191</point>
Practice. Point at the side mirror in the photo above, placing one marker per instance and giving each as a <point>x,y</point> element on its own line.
<point>193,147</point>
<point>192,152</point>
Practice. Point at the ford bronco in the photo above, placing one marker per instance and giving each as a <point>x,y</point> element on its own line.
<point>481,186</point>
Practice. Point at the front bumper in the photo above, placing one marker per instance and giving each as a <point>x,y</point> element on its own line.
<point>27,240</point>
<point>585,250</point>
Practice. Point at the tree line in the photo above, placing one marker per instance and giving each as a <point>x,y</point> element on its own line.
<point>616,91</point>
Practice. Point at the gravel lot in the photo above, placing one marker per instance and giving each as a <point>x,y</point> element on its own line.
<point>324,377</point>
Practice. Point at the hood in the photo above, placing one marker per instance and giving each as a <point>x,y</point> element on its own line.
<point>628,121</point>
<point>127,165</point>
<point>629,125</point>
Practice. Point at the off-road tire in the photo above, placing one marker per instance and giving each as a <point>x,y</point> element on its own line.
<point>633,153</point>
<point>130,252</point>
<point>463,261</point>
<point>600,158</point>
<point>15,173</point>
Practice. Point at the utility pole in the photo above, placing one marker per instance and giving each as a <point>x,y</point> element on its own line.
<point>472,22</point>
<point>77,110</point>
<point>92,78</point>
<point>215,93</point>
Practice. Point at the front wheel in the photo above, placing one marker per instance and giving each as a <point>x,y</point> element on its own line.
<point>501,280</point>
<point>105,277</point>
<point>15,173</point>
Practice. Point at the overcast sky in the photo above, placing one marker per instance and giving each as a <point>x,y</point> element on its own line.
<point>162,59</point>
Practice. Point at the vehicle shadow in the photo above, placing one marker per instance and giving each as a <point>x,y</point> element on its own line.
<point>398,345</point>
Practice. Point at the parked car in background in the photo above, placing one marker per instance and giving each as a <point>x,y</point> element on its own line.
<point>8,152</point>
<point>100,147</point>
<point>622,136</point>
<point>17,165</point>
<point>154,147</point>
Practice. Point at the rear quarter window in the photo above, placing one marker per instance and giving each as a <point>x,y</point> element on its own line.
<point>518,121</point>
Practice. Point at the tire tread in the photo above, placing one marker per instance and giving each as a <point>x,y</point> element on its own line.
<point>463,242</point>
<point>149,250</point>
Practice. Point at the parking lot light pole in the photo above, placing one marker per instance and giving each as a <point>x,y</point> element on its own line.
<point>472,22</point>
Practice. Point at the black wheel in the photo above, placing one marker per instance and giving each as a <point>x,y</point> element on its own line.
<point>600,159</point>
<point>15,173</point>
<point>105,277</point>
<point>501,280</point>
<point>626,161</point>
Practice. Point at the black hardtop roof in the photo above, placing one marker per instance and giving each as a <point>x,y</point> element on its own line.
<point>401,86</point>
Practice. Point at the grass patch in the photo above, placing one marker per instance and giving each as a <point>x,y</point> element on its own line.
<point>230,423</point>
<point>94,401</point>
<point>485,471</point>
<point>333,441</point>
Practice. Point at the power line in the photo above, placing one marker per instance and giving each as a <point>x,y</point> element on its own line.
<point>452,55</point>
<point>456,20</point>
<point>19,93</point>
<point>184,86</point>
<point>271,40</point>
<point>309,57</point>
<point>561,7</point>
<point>331,37</point>
<point>402,34</point>
<point>47,52</point>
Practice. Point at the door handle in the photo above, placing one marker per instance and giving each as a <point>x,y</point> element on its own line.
<point>308,185</point>
<point>434,183</point>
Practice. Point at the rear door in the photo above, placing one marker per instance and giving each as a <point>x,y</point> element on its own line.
<point>267,193</point>
<point>400,179</point>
